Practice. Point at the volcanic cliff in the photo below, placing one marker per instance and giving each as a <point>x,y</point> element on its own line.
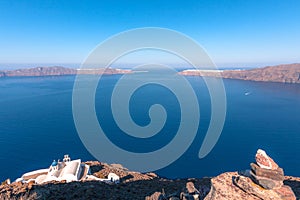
<point>59,71</point>
<point>289,73</point>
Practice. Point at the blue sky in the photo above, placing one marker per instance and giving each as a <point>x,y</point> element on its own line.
<point>234,32</point>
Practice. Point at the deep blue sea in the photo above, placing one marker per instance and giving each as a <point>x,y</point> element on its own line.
<point>36,125</point>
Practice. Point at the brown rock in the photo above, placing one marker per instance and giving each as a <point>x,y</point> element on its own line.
<point>30,184</point>
<point>266,183</point>
<point>191,192</point>
<point>294,183</point>
<point>6,182</point>
<point>151,174</point>
<point>222,187</point>
<point>285,193</point>
<point>247,185</point>
<point>190,187</point>
<point>156,196</point>
<point>277,174</point>
<point>264,161</point>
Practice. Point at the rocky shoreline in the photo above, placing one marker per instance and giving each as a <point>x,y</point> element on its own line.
<point>289,73</point>
<point>134,185</point>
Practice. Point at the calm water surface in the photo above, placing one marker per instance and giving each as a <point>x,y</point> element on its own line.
<point>36,125</point>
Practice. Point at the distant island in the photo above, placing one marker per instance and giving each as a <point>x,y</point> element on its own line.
<point>289,73</point>
<point>59,71</point>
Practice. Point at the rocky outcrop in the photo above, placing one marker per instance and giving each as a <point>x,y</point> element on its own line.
<point>266,178</point>
<point>224,187</point>
<point>59,71</point>
<point>232,185</point>
<point>246,185</point>
<point>132,185</point>
<point>265,181</point>
<point>281,73</point>
<point>101,170</point>
<point>265,172</point>
<point>135,185</point>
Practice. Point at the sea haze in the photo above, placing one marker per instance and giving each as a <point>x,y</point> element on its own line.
<point>36,124</point>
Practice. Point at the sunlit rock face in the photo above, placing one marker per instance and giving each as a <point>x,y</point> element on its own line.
<point>264,181</point>
<point>281,73</point>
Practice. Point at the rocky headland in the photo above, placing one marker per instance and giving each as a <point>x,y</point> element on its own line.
<point>289,73</point>
<point>59,71</point>
<point>265,180</point>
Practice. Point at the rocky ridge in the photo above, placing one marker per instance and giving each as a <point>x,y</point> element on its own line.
<point>149,186</point>
<point>289,73</point>
<point>133,185</point>
<point>265,181</point>
<point>59,71</point>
